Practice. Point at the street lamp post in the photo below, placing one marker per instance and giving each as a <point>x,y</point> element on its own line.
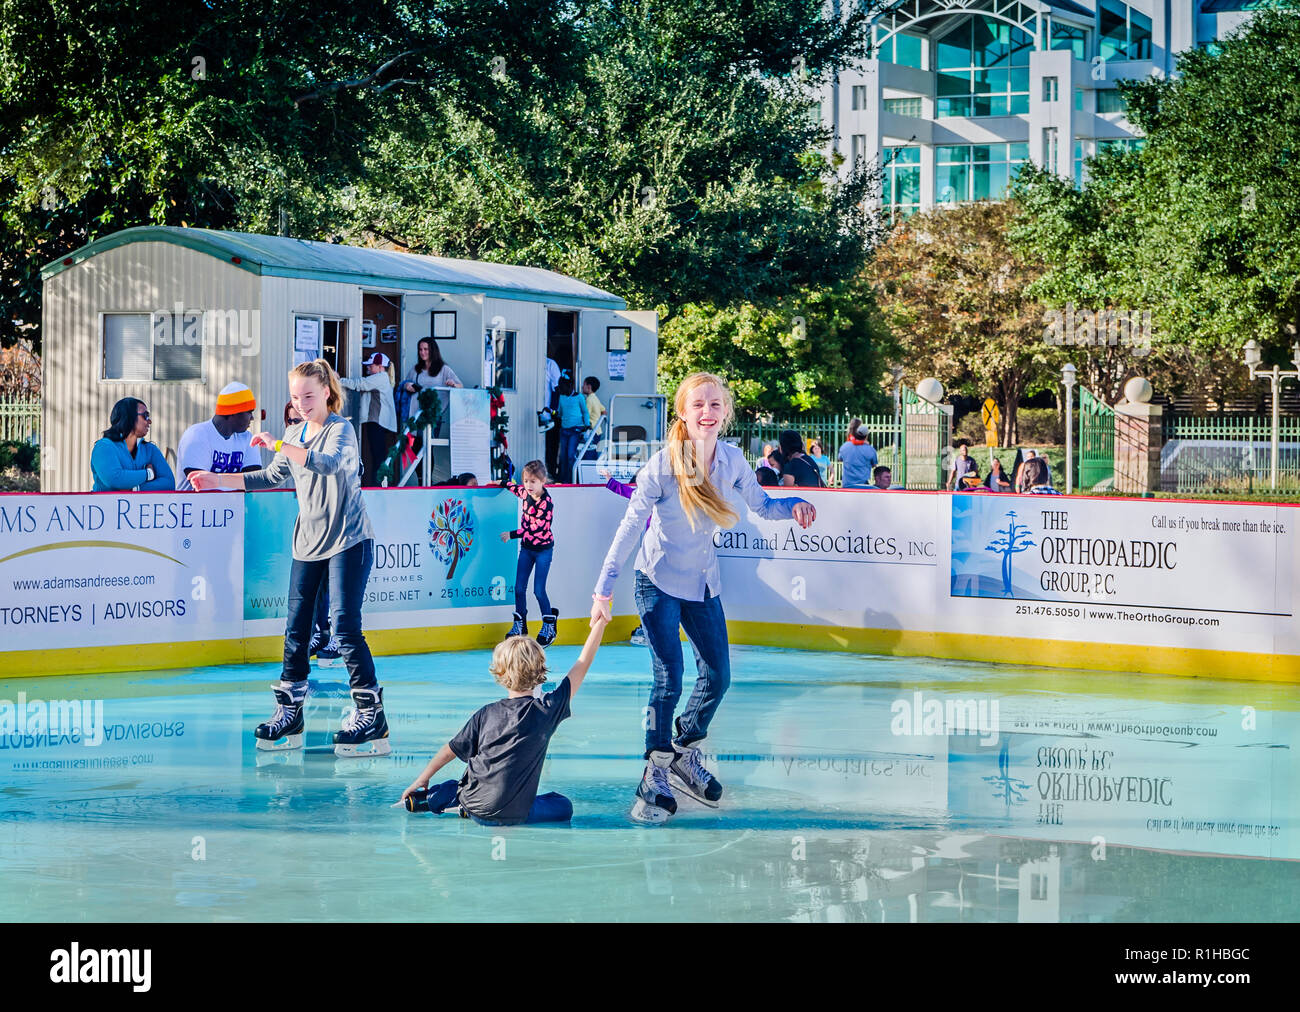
<point>1275,376</point>
<point>896,371</point>
<point>1067,377</point>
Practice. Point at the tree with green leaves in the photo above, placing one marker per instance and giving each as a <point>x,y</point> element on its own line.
<point>664,152</point>
<point>822,350</point>
<point>956,296</point>
<point>1200,226</point>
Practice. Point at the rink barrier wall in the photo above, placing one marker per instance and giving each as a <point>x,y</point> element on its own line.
<point>125,582</point>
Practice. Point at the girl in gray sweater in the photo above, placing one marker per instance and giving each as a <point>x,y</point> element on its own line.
<point>332,541</point>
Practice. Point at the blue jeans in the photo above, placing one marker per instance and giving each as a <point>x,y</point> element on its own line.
<point>706,627</point>
<point>321,620</point>
<point>570,440</point>
<point>550,807</point>
<point>346,574</point>
<point>528,558</point>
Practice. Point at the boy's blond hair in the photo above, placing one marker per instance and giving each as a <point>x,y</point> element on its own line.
<point>518,664</point>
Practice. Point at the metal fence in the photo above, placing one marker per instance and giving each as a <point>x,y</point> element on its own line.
<point>1228,454</point>
<point>20,418</point>
<point>830,431</point>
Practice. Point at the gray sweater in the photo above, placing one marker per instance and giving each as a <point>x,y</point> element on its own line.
<point>331,513</point>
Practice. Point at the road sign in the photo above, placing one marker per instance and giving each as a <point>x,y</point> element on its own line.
<point>990,413</point>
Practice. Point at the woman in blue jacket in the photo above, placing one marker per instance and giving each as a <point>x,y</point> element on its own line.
<point>122,460</point>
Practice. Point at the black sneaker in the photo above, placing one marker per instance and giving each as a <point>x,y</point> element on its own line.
<point>365,728</point>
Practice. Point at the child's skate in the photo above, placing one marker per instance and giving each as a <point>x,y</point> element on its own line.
<point>547,636</point>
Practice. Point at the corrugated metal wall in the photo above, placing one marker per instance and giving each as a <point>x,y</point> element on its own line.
<point>523,403</point>
<point>281,299</point>
<point>138,278</point>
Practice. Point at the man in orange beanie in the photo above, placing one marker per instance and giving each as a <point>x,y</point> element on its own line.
<point>221,444</point>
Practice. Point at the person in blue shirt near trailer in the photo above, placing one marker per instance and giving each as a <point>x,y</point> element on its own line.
<point>574,421</point>
<point>122,460</point>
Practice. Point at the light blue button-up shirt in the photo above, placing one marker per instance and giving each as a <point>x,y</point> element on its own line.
<point>680,561</point>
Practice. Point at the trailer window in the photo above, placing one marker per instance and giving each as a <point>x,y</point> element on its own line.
<point>126,346</point>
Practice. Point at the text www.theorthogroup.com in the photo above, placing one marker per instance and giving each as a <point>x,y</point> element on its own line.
<point>1119,615</point>
<point>1204,979</point>
<point>85,582</point>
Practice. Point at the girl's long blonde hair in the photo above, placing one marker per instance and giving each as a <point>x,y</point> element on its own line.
<point>323,373</point>
<point>694,490</point>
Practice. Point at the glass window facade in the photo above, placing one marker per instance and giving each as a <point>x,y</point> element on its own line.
<point>1049,148</point>
<point>983,69</point>
<point>859,96</point>
<point>1123,33</point>
<point>976,171</point>
<point>1080,153</point>
<point>1122,144</point>
<point>1071,38</point>
<point>1051,89</point>
<point>903,49</point>
<point>903,106</point>
<point>1110,100</point>
<point>859,148</point>
<point>902,183</point>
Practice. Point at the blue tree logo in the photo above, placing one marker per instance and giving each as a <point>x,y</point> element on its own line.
<point>1009,544</point>
<point>1006,788</point>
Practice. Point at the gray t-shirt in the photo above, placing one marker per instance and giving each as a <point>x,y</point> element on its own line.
<point>331,513</point>
<point>503,746</point>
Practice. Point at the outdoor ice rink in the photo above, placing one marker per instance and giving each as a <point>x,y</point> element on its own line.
<point>835,809</point>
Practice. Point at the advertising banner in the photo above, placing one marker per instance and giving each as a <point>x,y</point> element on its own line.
<point>1208,575</point>
<point>434,549</point>
<point>108,570</point>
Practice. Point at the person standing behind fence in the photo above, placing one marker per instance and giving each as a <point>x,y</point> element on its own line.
<point>220,444</point>
<point>122,460</point>
<point>858,456</point>
<point>799,470</point>
<point>818,456</point>
<point>379,416</point>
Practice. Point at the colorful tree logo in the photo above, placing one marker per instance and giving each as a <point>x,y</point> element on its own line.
<point>451,532</point>
<point>1008,545</point>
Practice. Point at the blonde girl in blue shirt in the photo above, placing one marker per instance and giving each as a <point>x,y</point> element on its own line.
<point>684,490</point>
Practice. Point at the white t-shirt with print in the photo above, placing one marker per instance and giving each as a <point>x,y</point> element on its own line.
<point>202,448</point>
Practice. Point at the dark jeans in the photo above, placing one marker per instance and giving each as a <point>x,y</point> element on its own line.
<point>570,440</point>
<point>528,558</point>
<point>321,620</point>
<point>553,446</point>
<point>706,627</point>
<point>346,574</point>
<point>551,807</point>
<point>377,442</point>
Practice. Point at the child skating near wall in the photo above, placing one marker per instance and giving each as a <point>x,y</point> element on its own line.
<point>536,545</point>
<point>684,489</point>
<point>504,744</point>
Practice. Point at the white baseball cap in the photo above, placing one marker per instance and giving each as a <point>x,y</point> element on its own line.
<point>379,359</point>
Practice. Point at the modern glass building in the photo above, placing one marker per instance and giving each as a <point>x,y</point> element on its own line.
<point>959,93</point>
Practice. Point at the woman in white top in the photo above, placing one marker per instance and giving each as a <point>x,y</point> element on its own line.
<point>429,371</point>
<point>378,412</point>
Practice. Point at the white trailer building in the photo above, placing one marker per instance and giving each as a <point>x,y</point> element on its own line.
<point>170,315</point>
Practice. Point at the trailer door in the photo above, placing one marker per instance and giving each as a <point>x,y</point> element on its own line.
<point>621,349</point>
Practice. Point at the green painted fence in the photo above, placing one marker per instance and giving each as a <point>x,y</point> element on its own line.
<point>20,418</point>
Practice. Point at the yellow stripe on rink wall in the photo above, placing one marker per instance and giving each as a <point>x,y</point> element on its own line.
<point>1101,657</point>
<point>268,649</point>
<point>1227,664</point>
